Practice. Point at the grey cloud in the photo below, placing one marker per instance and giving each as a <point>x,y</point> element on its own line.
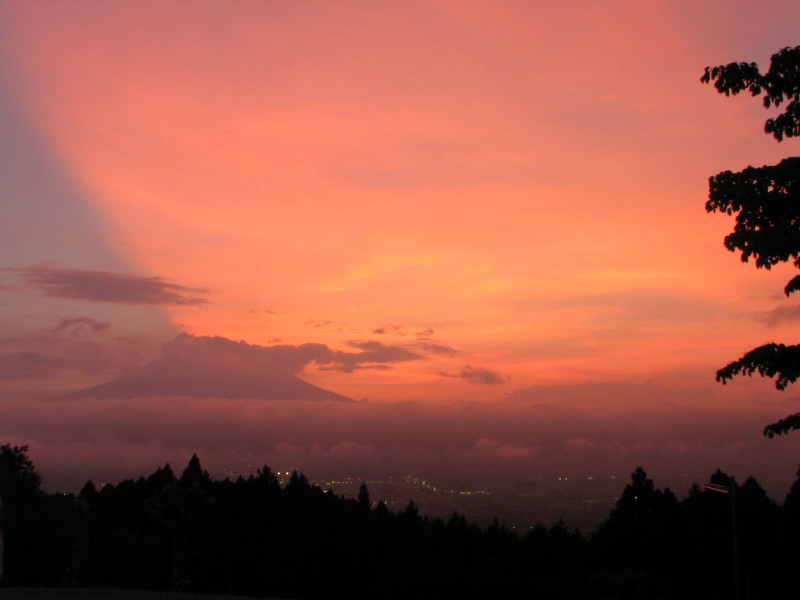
<point>478,375</point>
<point>481,375</point>
<point>85,357</point>
<point>216,367</point>
<point>285,358</point>
<point>387,329</point>
<point>239,355</point>
<point>95,358</point>
<point>31,365</point>
<point>106,286</point>
<point>437,349</point>
<point>351,366</point>
<point>81,323</point>
<point>318,324</point>
<point>782,314</point>
<point>371,352</point>
<point>223,368</point>
<point>71,345</point>
<point>74,326</point>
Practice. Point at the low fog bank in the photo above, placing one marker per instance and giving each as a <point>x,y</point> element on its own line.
<point>578,431</point>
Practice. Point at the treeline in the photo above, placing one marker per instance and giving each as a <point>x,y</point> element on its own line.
<point>253,537</point>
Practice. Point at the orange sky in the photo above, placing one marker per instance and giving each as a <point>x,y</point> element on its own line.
<point>521,183</point>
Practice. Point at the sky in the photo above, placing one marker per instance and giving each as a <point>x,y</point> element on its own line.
<point>481,223</point>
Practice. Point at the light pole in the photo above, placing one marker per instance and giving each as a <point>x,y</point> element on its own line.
<point>731,489</point>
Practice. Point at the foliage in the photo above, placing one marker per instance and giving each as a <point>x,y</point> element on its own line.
<point>769,360</point>
<point>640,535</point>
<point>250,537</point>
<point>20,498</point>
<point>780,84</point>
<point>766,204</point>
<point>18,477</point>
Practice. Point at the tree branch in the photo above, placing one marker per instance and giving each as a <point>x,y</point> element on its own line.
<point>786,425</point>
<point>770,360</point>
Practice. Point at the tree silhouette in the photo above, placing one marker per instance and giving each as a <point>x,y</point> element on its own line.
<point>252,537</point>
<point>639,534</point>
<point>766,203</point>
<point>194,474</point>
<point>19,480</point>
<point>19,491</point>
<point>780,84</point>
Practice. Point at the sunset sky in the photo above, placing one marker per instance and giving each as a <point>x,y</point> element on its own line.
<point>479,211</point>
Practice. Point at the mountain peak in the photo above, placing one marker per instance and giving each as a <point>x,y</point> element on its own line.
<point>213,367</point>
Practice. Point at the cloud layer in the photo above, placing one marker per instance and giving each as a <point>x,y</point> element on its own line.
<point>214,366</point>
<point>478,375</point>
<point>585,430</point>
<point>105,286</point>
<point>287,358</point>
<point>74,345</point>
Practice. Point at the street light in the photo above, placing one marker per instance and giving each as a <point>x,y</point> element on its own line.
<point>731,489</point>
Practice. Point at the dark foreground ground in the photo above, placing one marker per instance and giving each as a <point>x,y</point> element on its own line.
<point>89,594</point>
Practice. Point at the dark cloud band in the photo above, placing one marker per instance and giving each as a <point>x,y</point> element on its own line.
<point>106,286</point>
<point>478,375</point>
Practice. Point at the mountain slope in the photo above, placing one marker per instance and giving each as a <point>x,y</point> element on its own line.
<point>200,367</point>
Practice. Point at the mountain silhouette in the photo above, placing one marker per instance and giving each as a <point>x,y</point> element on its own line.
<point>203,367</point>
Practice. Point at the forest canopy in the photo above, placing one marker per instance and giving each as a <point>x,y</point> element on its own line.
<point>252,536</point>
